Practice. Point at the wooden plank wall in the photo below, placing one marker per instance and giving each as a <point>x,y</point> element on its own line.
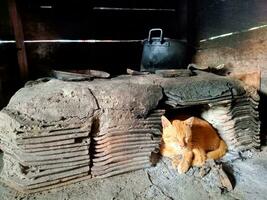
<point>92,19</point>
<point>82,19</point>
<point>216,17</point>
<point>101,20</point>
<point>5,27</point>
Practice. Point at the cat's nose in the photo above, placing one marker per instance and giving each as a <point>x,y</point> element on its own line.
<point>182,144</point>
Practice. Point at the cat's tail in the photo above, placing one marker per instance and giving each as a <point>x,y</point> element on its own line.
<point>218,153</point>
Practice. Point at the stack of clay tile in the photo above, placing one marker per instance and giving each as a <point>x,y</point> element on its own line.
<point>39,156</point>
<point>237,122</point>
<point>233,108</point>
<point>70,131</point>
<point>118,151</point>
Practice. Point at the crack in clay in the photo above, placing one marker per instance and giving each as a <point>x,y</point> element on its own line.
<point>96,101</point>
<point>161,191</point>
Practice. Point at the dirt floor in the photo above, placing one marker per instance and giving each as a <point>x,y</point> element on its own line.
<point>161,182</point>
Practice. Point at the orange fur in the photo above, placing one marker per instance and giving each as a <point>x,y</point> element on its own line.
<point>190,142</point>
<point>252,78</point>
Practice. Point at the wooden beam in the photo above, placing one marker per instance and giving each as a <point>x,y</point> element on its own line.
<point>19,36</point>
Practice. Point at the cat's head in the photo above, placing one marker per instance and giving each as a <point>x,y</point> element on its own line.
<point>177,132</point>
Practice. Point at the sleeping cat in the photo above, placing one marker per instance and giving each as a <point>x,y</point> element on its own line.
<point>190,142</point>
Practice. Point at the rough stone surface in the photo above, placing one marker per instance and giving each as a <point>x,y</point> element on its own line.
<point>201,86</point>
<point>161,182</point>
<point>124,95</point>
<point>49,126</point>
<point>113,125</point>
<point>54,100</point>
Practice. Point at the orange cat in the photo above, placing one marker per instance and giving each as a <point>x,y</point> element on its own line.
<point>190,142</point>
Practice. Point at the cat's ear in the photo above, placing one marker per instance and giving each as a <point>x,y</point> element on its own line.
<point>188,136</point>
<point>165,122</point>
<point>189,121</point>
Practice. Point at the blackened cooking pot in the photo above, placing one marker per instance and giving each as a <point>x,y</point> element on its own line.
<point>163,53</point>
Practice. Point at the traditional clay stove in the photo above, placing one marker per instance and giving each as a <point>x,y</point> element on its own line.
<point>55,133</point>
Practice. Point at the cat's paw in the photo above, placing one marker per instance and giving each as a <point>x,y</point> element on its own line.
<point>175,162</point>
<point>200,161</point>
<point>183,167</point>
<point>199,158</point>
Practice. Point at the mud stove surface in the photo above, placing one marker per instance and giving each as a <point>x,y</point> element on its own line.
<point>56,133</point>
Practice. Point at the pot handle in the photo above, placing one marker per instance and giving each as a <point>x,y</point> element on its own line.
<point>153,30</point>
